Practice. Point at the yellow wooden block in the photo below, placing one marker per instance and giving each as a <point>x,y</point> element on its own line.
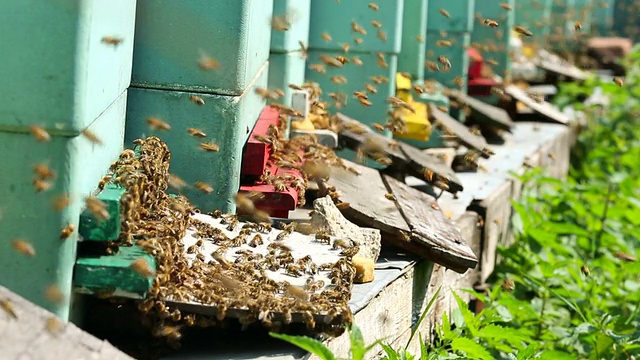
<point>305,124</point>
<point>418,125</point>
<point>402,82</point>
<point>364,270</point>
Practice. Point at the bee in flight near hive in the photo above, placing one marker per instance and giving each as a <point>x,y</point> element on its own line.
<point>445,13</point>
<point>490,23</point>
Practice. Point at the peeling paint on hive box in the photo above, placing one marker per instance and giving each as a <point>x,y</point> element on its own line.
<point>226,120</point>
<point>52,56</point>
<point>79,165</point>
<point>170,35</point>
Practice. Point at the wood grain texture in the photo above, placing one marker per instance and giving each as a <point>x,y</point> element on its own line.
<point>431,228</point>
<point>543,109</point>
<point>464,135</point>
<point>421,161</point>
<point>28,338</point>
<point>484,112</point>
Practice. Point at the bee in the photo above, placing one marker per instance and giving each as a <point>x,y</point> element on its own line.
<point>536,97</point>
<point>552,156</point>
<point>39,133</point>
<point>60,202</point>
<point>331,61</point>
<point>577,25</point>
<point>256,241</point>
<point>54,294</point>
<point>358,41</point>
<point>376,24</point>
<point>443,43</point>
<point>342,59</point>
<point>356,61</point>
<point>209,147</point>
<point>196,133</point>
<point>492,62</point>
<point>431,66</point>
<point>339,80</point>
<point>405,236</point>
<point>357,28</point>
<point>304,51</point>
<point>109,40</point>
<point>523,31</point>
<point>23,247</point>
<point>490,23</point>
<point>67,231</point>
<point>370,88</point>
<point>446,64</point>
<point>196,100</point>
<point>365,102</point>
<point>444,13</point>
<point>97,208</point>
<point>374,6</point>
<point>378,126</point>
<point>167,331</point>
<point>280,23</point>
<point>92,137</point>
<point>43,172</point>
<point>508,285</point>
<point>585,270</point>
<point>435,206</point>
<point>618,81</point>
<point>458,81</point>
<point>419,38</point>
<point>204,187</point>
<point>41,185</point>
<point>345,47</point>
<point>343,205</point>
<point>624,256</point>
<point>505,6</point>
<point>157,124</point>
<point>53,325</point>
<point>382,35</point>
<point>326,37</point>
<point>297,293</point>
<point>8,308</point>
<point>207,63</point>
<point>390,197</point>
<point>141,267</point>
<point>268,94</point>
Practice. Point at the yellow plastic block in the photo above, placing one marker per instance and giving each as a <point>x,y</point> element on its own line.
<point>402,82</point>
<point>304,124</point>
<point>418,125</point>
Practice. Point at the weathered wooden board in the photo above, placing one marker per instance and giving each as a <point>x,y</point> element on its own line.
<point>543,108</point>
<point>562,68</point>
<point>27,337</point>
<point>431,228</point>
<point>464,135</point>
<point>481,111</point>
<point>406,158</point>
<point>365,194</point>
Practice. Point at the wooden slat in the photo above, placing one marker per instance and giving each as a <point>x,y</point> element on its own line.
<point>562,69</point>
<point>431,228</point>
<point>542,108</point>
<point>406,158</point>
<point>482,111</point>
<point>465,137</point>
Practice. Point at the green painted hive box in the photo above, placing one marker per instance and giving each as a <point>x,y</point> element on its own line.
<point>498,39</point>
<point>57,71</point>
<point>226,120</point>
<point>460,15</point>
<point>297,15</point>
<point>414,32</point>
<point>457,55</point>
<point>172,36</point>
<point>602,17</point>
<point>78,165</point>
<point>534,15</point>
<point>336,18</point>
<point>561,25</point>
<point>285,69</point>
<point>357,77</point>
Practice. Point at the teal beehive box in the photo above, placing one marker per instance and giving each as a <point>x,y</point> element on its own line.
<point>78,164</point>
<point>63,62</point>
<point>414,32</point>
<point>284,69</point>
<point>295,15</point>
<point>172,36</point>
<point>602,17</point>
<point>226,120</point>
<point>495,41</point>
<point>357,78</point>
<point>534,15</point>
<point>561,33</point>
<point>456,54</point>
<point>459,19</point>
<point>337,19</point>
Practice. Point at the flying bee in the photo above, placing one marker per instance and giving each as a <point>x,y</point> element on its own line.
<point>505,6</point>
<point>431,66</point>
<point>585,270</point>
<point>280,23</point>
<point>443,43</point>
<point>356,61</point>
<point>618,81</point>
<point>382,35</point>
<point>390,197</point>
<point>304,51</point>
<point>577,26</point>
<point>67,231</point>
<point>54,294</point>
<point>381,61</point>
<point>23,247</point>
<point>8,308</point>
<point>204,187</point>
<point>97,208</point>
<point>444,13</point>
<point>370,88</point>
<point>342,59</point>
<point>157,124</point>
<point>60,202</point>
<point>346,47</point>
<point>490,23</point>
<point>339,80</point>
<point>196,100</point>
<point>508,285</point>
<point>209,147</point>
<point>435,206</point>
<point>207,63</point>
<point>141,267</point>
<point>523,31</point>
<point>53,325</point>
<point>378,126</point>
<point>92,137</point>
<point>326,37</point>
<point>446,64</point>
<point>196,133</point>
<point>365,102</point>
<point>39,133</point>
<point>376,24</point>
<point>41,185</point>
<point>42,171</point>
<point>492,62</point>
<point>374,6</point>
<point>110,40</point>
<point>358,41</point>
<point>330,60</point>
<point>458,81</point>
<point>419,38</point>
<point>355,27</point>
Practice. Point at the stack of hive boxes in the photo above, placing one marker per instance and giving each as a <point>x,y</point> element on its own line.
<point>196,65</point>
<point>493,43</point>
<point>65,69</point>
<point>626,16</point>
<point>449,21</point>
<point>287,59</point>
<point>560,36</point>
<point>534,15</point>
<point>602,17</point>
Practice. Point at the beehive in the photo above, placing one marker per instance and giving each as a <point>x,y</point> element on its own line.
<point>456,54</point>
<point>450,16</point>
<point>414,32</point>
<point>493,43</point>
<point>534,15</point>
<point>295,14</point>
<point>602,17</point>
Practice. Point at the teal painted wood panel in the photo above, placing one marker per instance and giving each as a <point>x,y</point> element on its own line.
<point>497,39</point>
<point>335,18</point>
<point>562,13</point>
<point>285,69</point>
<point>171,36</point>
<point>79,165</point>
<point>602,17</point>
<point>460,12</point>
<point>534,15</point>
<point>357,77</point>
<point>298,13</point>
<point>583,10</point>
<point>626,19</point>
<point>457,55</point>
<point>56,72</point>
<point>227,121</point>
<point>414,25</point>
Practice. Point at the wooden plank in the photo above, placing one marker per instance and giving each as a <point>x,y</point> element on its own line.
<point>27,336</point>
<point>543,108</point>
<point>406,158</point>
<point>464,135</point>
<point>561,68</point>
<point>365,194</point>
<point>431,228</point>
<point>484,112</point>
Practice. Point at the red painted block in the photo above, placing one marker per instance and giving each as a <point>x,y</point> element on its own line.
<point>256,153</point>
<point>275,203</point>
<point>480,86</point>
